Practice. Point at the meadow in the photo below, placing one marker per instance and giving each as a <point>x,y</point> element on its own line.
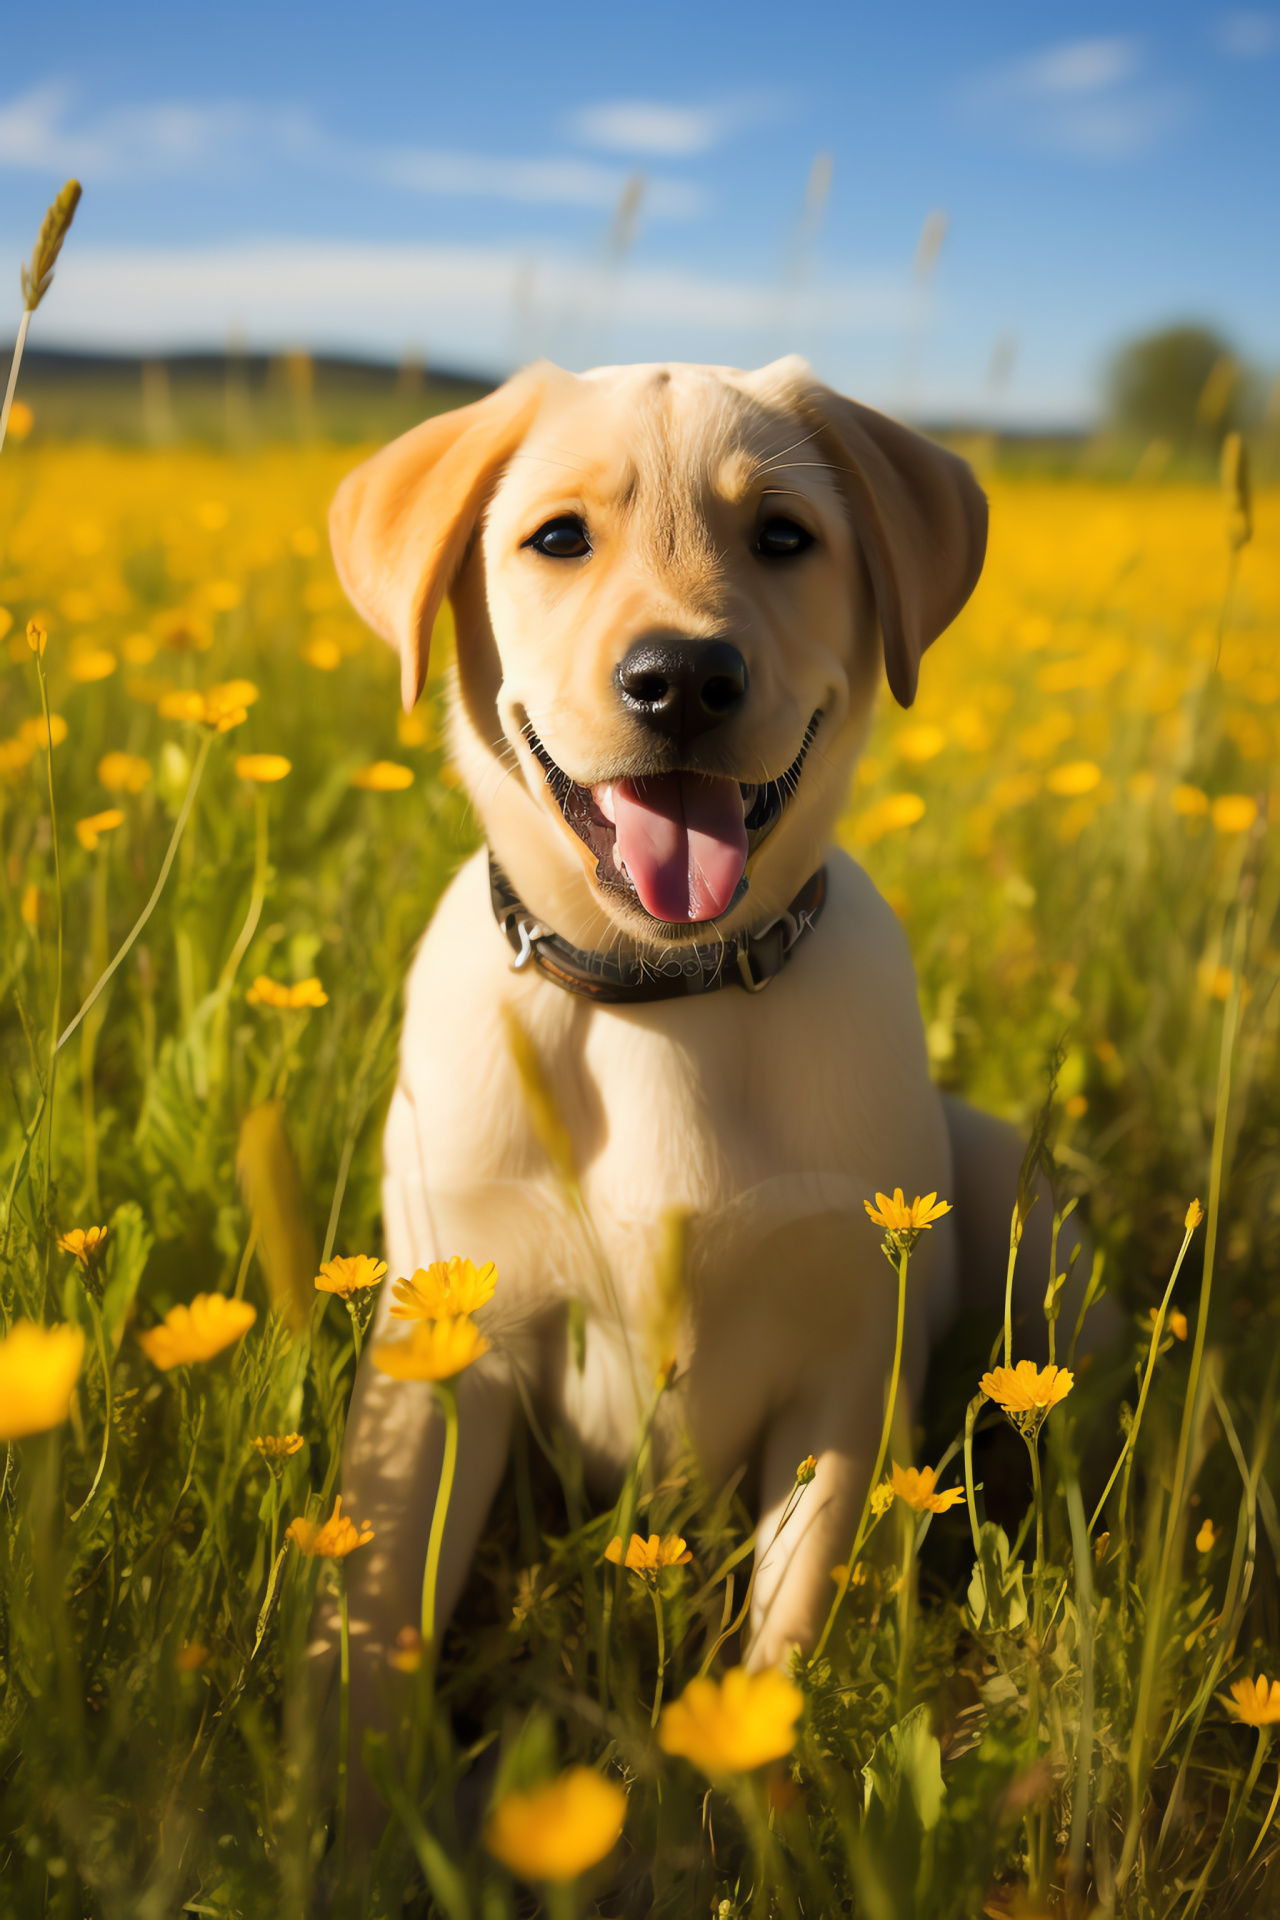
<point>1037,1697</point>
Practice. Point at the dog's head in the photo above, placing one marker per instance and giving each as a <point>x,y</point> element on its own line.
<point>673,586</point>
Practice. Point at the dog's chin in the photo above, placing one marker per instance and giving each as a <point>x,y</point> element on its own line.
<point>587,811</point>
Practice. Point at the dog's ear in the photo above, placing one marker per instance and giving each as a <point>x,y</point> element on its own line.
<point>399,525</point>
<point>920,517</point>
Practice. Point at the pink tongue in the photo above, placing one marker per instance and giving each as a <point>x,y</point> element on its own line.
<point>682,839</point>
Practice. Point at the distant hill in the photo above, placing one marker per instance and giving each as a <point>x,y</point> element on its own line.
<point>231,398</point>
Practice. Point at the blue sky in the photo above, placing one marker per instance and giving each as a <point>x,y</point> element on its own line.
<point>384,178</point>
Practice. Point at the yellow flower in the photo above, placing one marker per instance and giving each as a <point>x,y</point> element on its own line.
<point>649,1558</point>
<point>323,653</point>
<point>334,1540</point>
<point>1257,1702</point>
<point>210,1323</point>
<point>36,735</point>
<point>84,1244</point>
<point>266,992</point>
<point>384,776</point>
<point>263,767</point>
<point>1189,801</point>
<point>1234,812</point>
<point>349,1273</point>
<point>37,636</point>
<point>444,1288</point>
<point>1074,777</point>
<point>882,1498</point>
<point>735,1724</point>
<point>897,1217</point>
<point>14,756</point>
<point>435,1350</point>
<point>555,1832</point>
<point>806,1471</point>
<point>30,908</point>
<point>1176,1322</point>
<point>208,710</point>
<point>278,1446</point>
<point>1026,1392</point>
<point>919,744</point>
<point>21,420</point>
<point>95,663</point>
<point>916,1487</point>
<point>88,832</point>
<point>124,772</point>
<point>1205,1538</point>
<point>39,1366</point>
<point>191,1658</point>
<point>233,693</point>
<point>1195,1214</point>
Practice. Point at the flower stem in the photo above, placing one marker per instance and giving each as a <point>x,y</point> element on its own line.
<point>662,1655</point>
<point>54,1043</point>
<point>970,1421</point>
<point>14,365</point>
<point>904,1610</point>
<point>1265,1828</point>
<point>344,1707</point>
<point>1033,1448</point>
<point>1157,1334</point>
<point>1014,1237</point>
<point>178,830</point>
<point>447,1396</point>
<point>842,1586</point>
<point>1154,1637</point>
<point>562,1900</point>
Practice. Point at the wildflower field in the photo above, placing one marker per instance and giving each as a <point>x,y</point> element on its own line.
<point>1046,1687</point>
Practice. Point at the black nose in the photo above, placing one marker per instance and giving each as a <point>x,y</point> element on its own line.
<point>683,687</point>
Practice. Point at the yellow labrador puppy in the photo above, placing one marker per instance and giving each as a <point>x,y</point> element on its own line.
<point>675,590</point>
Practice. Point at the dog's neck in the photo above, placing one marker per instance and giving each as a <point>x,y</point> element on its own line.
<point>746,959</point>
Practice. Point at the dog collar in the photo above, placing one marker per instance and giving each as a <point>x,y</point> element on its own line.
<point>749,960</point>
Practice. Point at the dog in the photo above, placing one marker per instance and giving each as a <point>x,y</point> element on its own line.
<point>675,589</point>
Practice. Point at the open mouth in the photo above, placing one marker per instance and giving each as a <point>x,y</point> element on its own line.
<point>674,844</point>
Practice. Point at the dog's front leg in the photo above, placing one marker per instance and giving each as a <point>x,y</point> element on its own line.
<point>391,1472</point>
<point>839,1422</point>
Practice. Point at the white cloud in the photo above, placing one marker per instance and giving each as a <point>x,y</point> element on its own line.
<point>41,131</point>
<point>36,134</point>
<point>578,183</point>
<point>1078,66</point>
<point>468,306</point>
<point>1249,36</point>
<point>1081,97</point>
<point>647,126</point>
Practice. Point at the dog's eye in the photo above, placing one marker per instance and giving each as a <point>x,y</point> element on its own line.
<point>562,539</point>
<point>778,539</point>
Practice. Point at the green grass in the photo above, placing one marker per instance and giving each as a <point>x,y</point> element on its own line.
<point>967,1770</point>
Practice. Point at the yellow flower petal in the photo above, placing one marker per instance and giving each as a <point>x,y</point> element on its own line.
<point>334,1540</point>
<point>1257,1702</point>
<point>1027,1388</point>
<point>263,767</point>
<point>444,1288</point>
<point>124,772</point>
<point>555,1832</point>
<point>39,1367</point>
<point>197,1332</point>
<point>89,831</point>
<point>384,776</point>
<point>734,1724</point>
<point>435,1350</point>
<point>349,1273</point>
<point>1234,812</point>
